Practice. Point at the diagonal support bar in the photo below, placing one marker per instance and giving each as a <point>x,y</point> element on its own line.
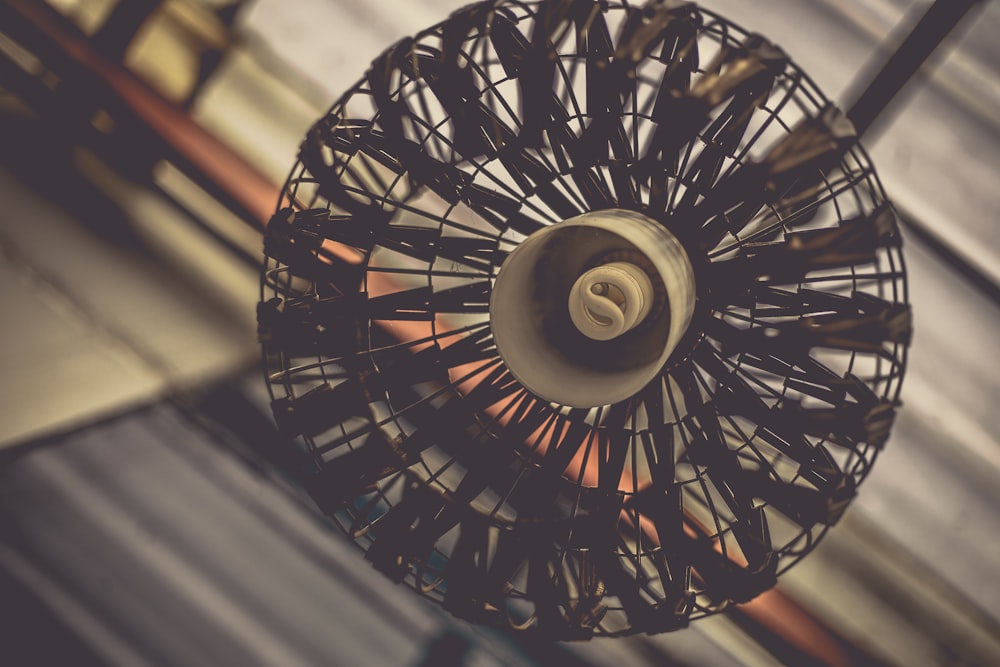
<point>931,30</point>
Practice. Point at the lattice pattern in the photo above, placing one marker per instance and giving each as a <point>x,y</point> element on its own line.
<point>637,516</point>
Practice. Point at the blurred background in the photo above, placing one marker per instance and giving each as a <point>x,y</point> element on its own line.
<point>149,515</point>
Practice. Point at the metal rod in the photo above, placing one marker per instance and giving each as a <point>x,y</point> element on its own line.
<point>932,29</point>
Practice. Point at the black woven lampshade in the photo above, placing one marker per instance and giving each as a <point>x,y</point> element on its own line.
<point>639,514</point>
